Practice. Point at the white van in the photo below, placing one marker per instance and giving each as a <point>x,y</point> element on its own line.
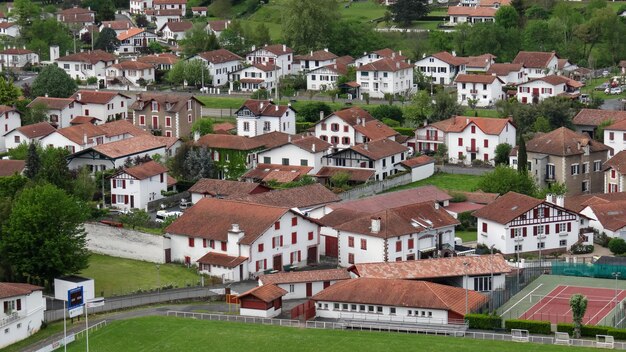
<point>161,215</point>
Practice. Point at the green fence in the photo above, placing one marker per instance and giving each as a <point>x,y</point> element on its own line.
<point>588,270</point>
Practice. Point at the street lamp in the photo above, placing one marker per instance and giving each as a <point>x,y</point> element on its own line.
<point>616,275</point>
<point>466,265</point>
<point>158,267</point>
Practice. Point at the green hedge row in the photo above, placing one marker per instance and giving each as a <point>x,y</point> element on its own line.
<point>483,321</point>
<point>303,126</point>
<point>406,131</point>
<point>592,331</point>
<point>533,327</point>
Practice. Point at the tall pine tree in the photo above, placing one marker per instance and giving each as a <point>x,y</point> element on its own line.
<point>33,163</point>
<point>522,157</point>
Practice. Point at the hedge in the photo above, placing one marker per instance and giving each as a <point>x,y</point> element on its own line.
<point>588,330</point>
<point>483,321</point>
<point>302,126</point>
<point>619,334</point>
<point>533,326</point>
<point>405,131</point>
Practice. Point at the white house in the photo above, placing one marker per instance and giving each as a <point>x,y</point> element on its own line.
<point>18,58</point>
<point>615,136</point>
<point>273,55</point>
<point>76,16</point>
<point>140,6</point>
<point>130,73</point>
<point>485,90</point>
<point>314,60</point>
<point>87,64</point>
<point>470,14</point>
<point>74,138</point>
<point>9,29</point>
<point>385,76</point>
<point>467,138</point>
<point>10,119</point>
<point>22,311</point>
<point>441,67</point>
<point>515,223</point>
<point>180,5</point>
<point>615,173</point>
<point>325,77</point>
<point>397,301</point>
<point>510,74</point>
<point>163,61</point>
<point>383,156</point>
<point>103,104</point>
<point>347,127</point>
<point>257,117</point>
<point>60,111</point>
<point>199,10</point>
<point>255,77</point>
<point>221,63</point>
<point>537,64</point>
<point>27,134</point>
<point>300,150</point>
<point>538,89</point>
<point>136,186</point>
<point>217,26</point>
<point>133,40</point>
<point>386,53</point>
<point>255,237</point>
<point>607,217</point>
<point>421,167</point>
<point>118,26</point>
<point>175,31</point>
<point>262,301</point>
<point>304,284</point>
<point>162,16</point>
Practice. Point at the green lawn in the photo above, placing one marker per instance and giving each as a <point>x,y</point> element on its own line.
<point>591,84</point>
<point>362,10</point>
<point>481,112</point>
<point>179,334</point>
<point>466,236</point>
<point>446,182</point>
<point>221,102</point>
<point>117,276</point>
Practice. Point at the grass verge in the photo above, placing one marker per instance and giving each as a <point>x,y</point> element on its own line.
<point>446,181</point>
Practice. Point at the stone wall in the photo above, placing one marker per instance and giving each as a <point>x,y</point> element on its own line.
<point>125,243</point>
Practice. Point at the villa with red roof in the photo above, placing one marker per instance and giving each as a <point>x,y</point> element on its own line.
<point>538,89</point>
<point>314,60</point>
<point>134,187</point>
<point>22,312</point>
<point>11,119</point>
<point>257,117</point>
<point>467,138</point>
<point>615,173</point>
<point>18,57</point>
<point>106,105</point>
<point>615,137</point>
<point>60,111</point>
<point>133,40</point>
<point>588,120</point>
<point>385,76</point>
<point>537,64</point>
<point>87,64</point>
<point>221,63</point>
<point>277,57</point>
<point>484,90</point>
<point>471,14</point>
<point>304,284</point>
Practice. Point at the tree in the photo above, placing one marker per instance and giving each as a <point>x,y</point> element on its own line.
<point>420,108</point>
<point>445,106</point>
<point>55,82</point>
<point>41,34</point>
<point>9,93</point>
<point>617,246</point>
<point>33,163</point>
<point>190,71</point>
<point>502,154</point>
<point>54,168</point>
<point>107,40</point>
<point>353,37</point>
<point>578,304</point>
<point>202,126</point>
<point>307,25</point>
<point>392,112</point>
<point>84,186</point>
<point>141,21</point>
<point>340,180</point>
<point>25,11</point>
<point>136,217</point>
<point>558,110</point>
<point>310,112</point>
<point>503,179</point>
<point>507,17</point>
<point>541,124</point>
<point>260,36</point>
<point>522,157</point>
<point>105,9</point>
<point>177,164</point>
<point>198,164</point>
<point>407,11</point>
<point>198,40</point>
<point>441,155</point>
<point>233,39</point>
<point>221,8</point>
<point>155,47</point>
<point>556,188</point>
<point>36,113</point>
<point>44,237</point>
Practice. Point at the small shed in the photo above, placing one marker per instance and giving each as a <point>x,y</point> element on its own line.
<point>65,283</point>
<point>264,301</point>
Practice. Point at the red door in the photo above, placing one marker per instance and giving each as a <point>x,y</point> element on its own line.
<point>278,262</point>
<point>535,91</point>
<point>309,289</point>
<point>311,256</point>
<point>332,246</point>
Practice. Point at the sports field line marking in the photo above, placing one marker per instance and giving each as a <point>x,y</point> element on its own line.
<point>547,303</point>
<point>523,298</point>
<point>603,308</point>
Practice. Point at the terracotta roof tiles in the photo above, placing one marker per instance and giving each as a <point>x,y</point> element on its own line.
<point>178,26</point>
<point>305,276</point>
<point>418,161</point>
<point>375,129</point>
<point>266,293</point>
<point>390,200</point>
<point>159,59</point>
<point>78,133</point>
<point>10,289</point>
<point>320,55</point>
<point>91,57</point>
<point>226,141</point>
<point>534,59</point>
<point>279,172</point>
<point>11,167</point>
<point>225,188</point>
<point>504,69</point>
<point>386,65</point>
<point>617,162</point>
<point>121,127</point>
<point>52,103</point>
<point>220,259</point>
<point>507,207</point>
<point>449,58</point>
<point>471,11</point>
<point>96,97</point>
<point>36,130</point>
<point>484,79</point>
<point>378,149</point>
<point>563,142</point>
<point>220,56</point>
<point>145,170</point>
<point>492,126</point>
<point>355,175</point>
<point>297,197</point>
<point>129,146</point>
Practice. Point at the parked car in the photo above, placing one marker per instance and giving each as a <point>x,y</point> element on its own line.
<point>616,90</point>
<point>603,86</point>
<point>605,73</point>
<point>184,203</point>
<point>162,215</point>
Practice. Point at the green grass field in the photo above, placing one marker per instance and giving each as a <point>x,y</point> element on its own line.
<point>179,334</point>
<point>466,236</point>
<point>446,181</point>
<point>591,84</point>
<point>481,112</point>
<point>117,276</point>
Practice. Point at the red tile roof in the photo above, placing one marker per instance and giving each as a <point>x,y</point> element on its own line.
<point>266,293</point>
<point>508,207</point>
<point>479,61</point>
<point>321,55</point>
<point>418,161</point>
<point>16,51</point>
<point>277,49</point>
<point>226,188</point>
<point>52,103</point>
<point>386,65</point>
<point>378,149</point>
<point>298,197</point>
<point>212,218</point>
<point>11,167</point>
<point>78,133</point>
<point>96,97</point>
<point>286,172</point>
<point>129,146</point>
<point>389,53</point>
<point>352,116</point>
<point>218,25</point>
<point>130,33</point>
<point>492,126</point>
<point>36,130</point>
<point>617,162</point>
<point>504,69</point>
<point>390,200</point>
<point>145,170</point>
<point>563,142</point>
<point>402,293</point>
<point>159,59</point>
<point>10,289</point>
<point>484,79</point>
<point>264,108</point>
<point>176,102</point>
<point>132,65</point>
<point>534,59</point>
<point>223,127</point>
<point>84,119</point>
<point>556,80</point>
<point>227,141</point>
<point>425,269</point>
<point>375,129</point>
<point>178,26</point>
<point>121,127</point>
<point>117,25</point>
<point>91,57</point>
<point>356,175</point>
<point>220,56</point>
<point>310,144</point>
<point>449,58</point>
<point>611,215</point>
<point>273,139</point>
<point>471,11</point>
<point>617,126</point>
<point>220,259</point>
<point>305,276</point>
<point>580,202</point>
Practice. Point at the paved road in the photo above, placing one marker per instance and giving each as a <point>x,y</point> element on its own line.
<point>612,104</point>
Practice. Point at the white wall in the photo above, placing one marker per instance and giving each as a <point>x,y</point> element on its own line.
<point>375,251</point>
<point>328,132</point>
<point>8,122</point>
<point>294,154</point>
<point>57,140</point>
<point>487,94</point>
<point>144,191</point>
<point>107,111</point>
<point>540,85</point>
<point>270,313</point>
<point>298,290</point>
<point>285,62</point>
<point>422,172</point>
<point>452,141</point>
<point>437,316</point>
<point>126,243</point>
<point>440,72</point>
<point>618,143</point>
<point>376,84</point>
<point>322,78</point>
<point>257,124</point>
<point>77,163</point>
<point>31,316</point>
<point>84,70</point>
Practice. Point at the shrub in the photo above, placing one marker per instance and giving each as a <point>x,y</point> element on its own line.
<point>303,126</point>
<point>617,245</point>
<point>484,321</point>
<point>457,197</point>
<point>588,330</point>
<point>619,334</point>
<point>405,131</point>
<point>602,239</point>
<point>565,327</point>
<point>467,220</point>
<point>578,248</point>
<point>533,326</point>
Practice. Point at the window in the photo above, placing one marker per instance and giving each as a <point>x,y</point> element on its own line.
<point>460,142</point>
<point>189,118</point>
<point>486,143</point>
<point>398,246</point>
<point>350,241</point>
<point>246,126</point>
<point>334,140</point>
<point>346,129</point>
<point>277,241</point>
<point>345,140</point>
<point>563,243</point>
<point>541,245</point>
<point>223,246</point>
<point>294,221</point>
<point>350,258</point>
<point>363,244</point>
<point>575,169</point>
<point>484,227</point>
<point>336,306</point>
<point>473,128</point>
<point>261,248</point>
<point>155,106</point>
<point>304,162</point>
<point>168,121</point>
<point>379,309</point>
<point>324,126</point>
<point>260,265</point>
<point>277,225</point>
<point>611,136</point>
<point>212,244</point>
<point>392,310</point>
<point>204,243</point>
<point>482,283</point>
<point>311,236</point>
<point>585,168</point>
<point>334,127</point>
<point>16,139</point>
<point>585,186</point>
<point>411,243</point>
<point>192,242</point>
<point>294,237</point>
<point>597,165</point>
<point>142,120</point>
<point>267,160</point>
<point>518,248</point>
<point>370,309</point>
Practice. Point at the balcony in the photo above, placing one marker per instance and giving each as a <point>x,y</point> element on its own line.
<point>427,137</point>
<point>473,149</point>
<point>8,320</point>
<point>550,178</point>
<point>473,91</point>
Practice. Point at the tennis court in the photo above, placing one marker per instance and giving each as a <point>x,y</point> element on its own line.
<point>554,306</point>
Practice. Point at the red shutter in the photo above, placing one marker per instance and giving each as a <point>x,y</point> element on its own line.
<point>294,221</point>
<point>19,304</point>
<point>546,212</point>
<point>281,240</point>
<point>260,247</point>
<point>264,263</point>
<point>311,236</point>
<point>512,233</point>
<point>112,198</point>
<point>294,237</point>
<point>277,225</point>
<point>224,246</point>
<point>299,256</point>
<point>126,199</point>
<point>161,178</point>
<point>124,184</point>
<point>114,183</point>
<point>411,243</point>
<point>6,306</point>
<point>569,226</point>
<point>204,242</point>
<point>524,232</point>
<point>547,229</point>
<point>257,266</point>
<point>535,213</point>
<point>534,230</point>
<point>212,244</point>
<point>273,242</point>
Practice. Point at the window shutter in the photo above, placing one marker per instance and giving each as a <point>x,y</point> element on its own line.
<point>524,231</point>
<point>273,242</point>
<point>512,233</point>
<point>161,178</point>
<point>19,304</point>
<point>546,212</point>
<point>294,237</point>
<point>124,184</point>
<point>6,306</point>
<point>257,266</point>
<point>535,213</point>
<point>569,226</point>
<point>299,256</point>
<point>126,199</point>
<point>114,183</point>
<point>281,240</point>
<point>264,263</point>
<point>112,198</point>
<point>547,229</point>
<point>534,230</point>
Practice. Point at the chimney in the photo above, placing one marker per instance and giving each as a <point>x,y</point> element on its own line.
<point>365,146</point>
<point>46,95</point>
<point>423,55</point>
<point>313,147</point>
<point>78,96</point>
<point>311,52</point>
<point>375,225</point>
<point>393,55</point>
<point>453,53</point>
<point>578,145</point>
<point>234,236</point>
<point>400,52</point>
<point>254,48</point>
<point>321,115</point>
<point>363,122</point>
<point>289,138</point>
<point>276,107</point>
<point>54,52</point>
<point>467,120</point>
<point>84,138</point>
<point>398,64</point>
<point>284,47</point>
<point>425,122</point>
<point>560,200</point>
<point>261,106</point>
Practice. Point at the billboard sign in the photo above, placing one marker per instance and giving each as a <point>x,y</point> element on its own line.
<point>74,297</point>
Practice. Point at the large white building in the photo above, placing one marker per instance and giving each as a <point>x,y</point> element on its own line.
<point>87,64</point>
<point>236,240</point>
<point>75,138</point>
<point>304,284</point>
<point>22,311</point>
<point>484,90</point>
<point>221,63</point>
<point>15,57</point>
<point>300,150</point>
<point>130,73</point>
<point>510,74</point>
<point>441,67</point>
<point>538,89</point>
<point>105,105</point>
<point>10,119</point>
<point>515,223</point>
<point>273,55</point>
<point>135,187</point>
<point>255,77</point>
<point>27,134</point>
<point>325,77</point>
<point>257,117</point>
<point>537,64</point>
<point>385,76</point>
<point>467,138</point>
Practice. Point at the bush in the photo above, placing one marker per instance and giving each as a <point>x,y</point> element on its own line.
<point>405,131</point>
<point>565,327</point>
<point>533,326</point>
<point>392,112</point>
<point>467,220</point>
<point>581,248</point>
<point>457,197</point>
<point>619,334</point>
<point>617,245</point>
<point>310,112</point>
<point>587,330</point>
<point>303,126</point>
<point>484,321</point>
<point>602,239</point>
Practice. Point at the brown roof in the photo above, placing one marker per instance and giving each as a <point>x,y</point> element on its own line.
<point>534,59</point>
<point>78,133</point>
<point>167,2</point>
<point>298,197</point>
<point>52,103</point>
<point>227,141</point>
<point>78,18</point>
<point>418,161</point>
<point>563,142</point>
<point>337,67</point>
<point>199,8</point>
<point>130,33</point>
<point>132,65</point>
<point>321,55</point>
<point>493,126</point>
<point>36,130</point>
<point>433,268</point>
<point>402,293</point>
<point>580,202</point>
<point>472,11</point>
<point>225,188</point>
<point>212,218</point>
<point>374,129</point>
<point>220,259</point>
<point>390,200</point>
<point>595,117</point>
<point>617,126</point>
<point>351,115</point>
<point>159,59</point>
<point>6,108</point>
<point>305,276</point>
<point>556,80</point>
<point>378,149</point>
<point>479,61</point>
<point>404,220</point>
<point>493,2</point>
<point>264,108</point>
<point>164,12</point>
<point>75,10</point>
<point>224,126</point>
<point>117,25</point>
<point>507,207</point>
<point>220,56</point>
<point>485,79</point>
<point>10,289</point>
<point>449,58</point>
<point>218,25</point>
<point>612,215</point>
<point>266,293</point>
<point>91,57</point>
<point>11,167</point>
<point>310,143</point>
<point>280,173</point>
<point>120,127</point>
<point>96,97</point>
<point>504,69</point>
<point>178,26</point>
<point>16,51</point>
<point>356,175</point>
<point>386,64</point>
<point>389,53</point>
<point>129,146</point>
<point>84,119</point>
<point>264,67</point>
<point>168,141</point>
<point>145,170</point>
<point>617,162</point>
<point>7,24</point>
<point>177,102</point>
<point>277,49</point>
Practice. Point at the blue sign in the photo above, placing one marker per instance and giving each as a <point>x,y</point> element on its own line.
<point>75,297</point>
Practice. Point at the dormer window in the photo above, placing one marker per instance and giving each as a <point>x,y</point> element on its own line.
<point>168,106</point>
<point>155,106</point>
<point>189,104</point>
